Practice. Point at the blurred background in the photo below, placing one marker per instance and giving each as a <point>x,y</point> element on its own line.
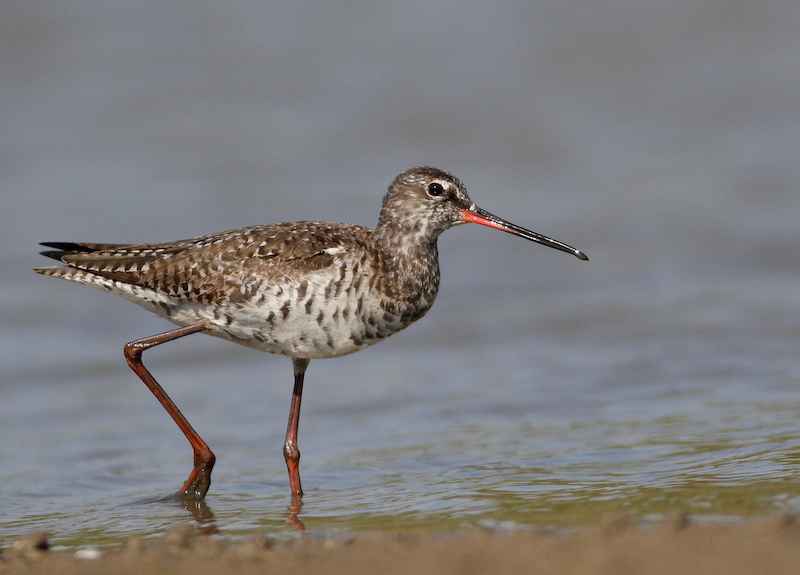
<point>661,138</point>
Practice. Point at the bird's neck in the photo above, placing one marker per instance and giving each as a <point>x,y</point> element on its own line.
<point>412,259</point>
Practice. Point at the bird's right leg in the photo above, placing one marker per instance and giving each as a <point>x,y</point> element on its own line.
<point>290,450</point>
<point>200,478</point>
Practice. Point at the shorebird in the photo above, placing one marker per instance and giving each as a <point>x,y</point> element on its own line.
<point>306,290</point>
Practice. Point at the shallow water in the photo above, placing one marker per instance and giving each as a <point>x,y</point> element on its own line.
<point>540,390</point>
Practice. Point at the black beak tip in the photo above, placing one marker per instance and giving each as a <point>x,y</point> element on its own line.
<point>581,256</point>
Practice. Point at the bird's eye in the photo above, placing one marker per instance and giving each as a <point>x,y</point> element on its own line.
<point>435,189</point>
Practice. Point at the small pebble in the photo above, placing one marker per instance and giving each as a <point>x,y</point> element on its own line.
<point>88,553</point>
<point>31,546</point>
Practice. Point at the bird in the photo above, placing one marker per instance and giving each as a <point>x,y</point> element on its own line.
<point>305,290</point>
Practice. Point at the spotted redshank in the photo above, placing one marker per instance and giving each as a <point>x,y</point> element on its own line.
<point>305,290</point>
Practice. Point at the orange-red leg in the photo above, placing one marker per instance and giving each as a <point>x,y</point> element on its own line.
<point>290,450</point>
<point>200,478</point>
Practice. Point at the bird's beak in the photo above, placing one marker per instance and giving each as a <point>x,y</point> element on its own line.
<point>479,216</point>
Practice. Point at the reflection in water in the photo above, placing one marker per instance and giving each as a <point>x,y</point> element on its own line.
<point>293,511</point>
<point>201,512</point>
<point>197,508</point>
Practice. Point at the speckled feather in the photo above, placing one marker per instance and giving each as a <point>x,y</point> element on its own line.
<point>301,289</point>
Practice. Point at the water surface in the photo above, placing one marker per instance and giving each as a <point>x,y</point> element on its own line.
<point>540,390</point>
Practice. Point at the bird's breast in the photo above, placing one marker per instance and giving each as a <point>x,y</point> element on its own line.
<point>325,313</point>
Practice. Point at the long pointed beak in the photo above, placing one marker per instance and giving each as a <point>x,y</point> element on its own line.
<point>479,216</point>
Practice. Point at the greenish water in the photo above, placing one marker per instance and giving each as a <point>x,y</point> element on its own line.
<point>423,466</point>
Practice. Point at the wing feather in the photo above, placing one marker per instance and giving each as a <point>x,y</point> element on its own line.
<point>213,267</point>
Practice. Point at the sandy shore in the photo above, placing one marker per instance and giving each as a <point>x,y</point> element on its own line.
<point>675,546</point>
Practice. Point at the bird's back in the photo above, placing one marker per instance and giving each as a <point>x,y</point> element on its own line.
<point>301,289</point>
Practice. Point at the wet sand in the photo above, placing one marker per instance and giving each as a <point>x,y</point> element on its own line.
<point>674,546</point>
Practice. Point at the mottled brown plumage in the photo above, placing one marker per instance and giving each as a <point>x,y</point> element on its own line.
<point>302,289</point>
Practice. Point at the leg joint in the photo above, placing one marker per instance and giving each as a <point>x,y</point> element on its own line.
<point>291,452</point>
<point>133,352</point>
